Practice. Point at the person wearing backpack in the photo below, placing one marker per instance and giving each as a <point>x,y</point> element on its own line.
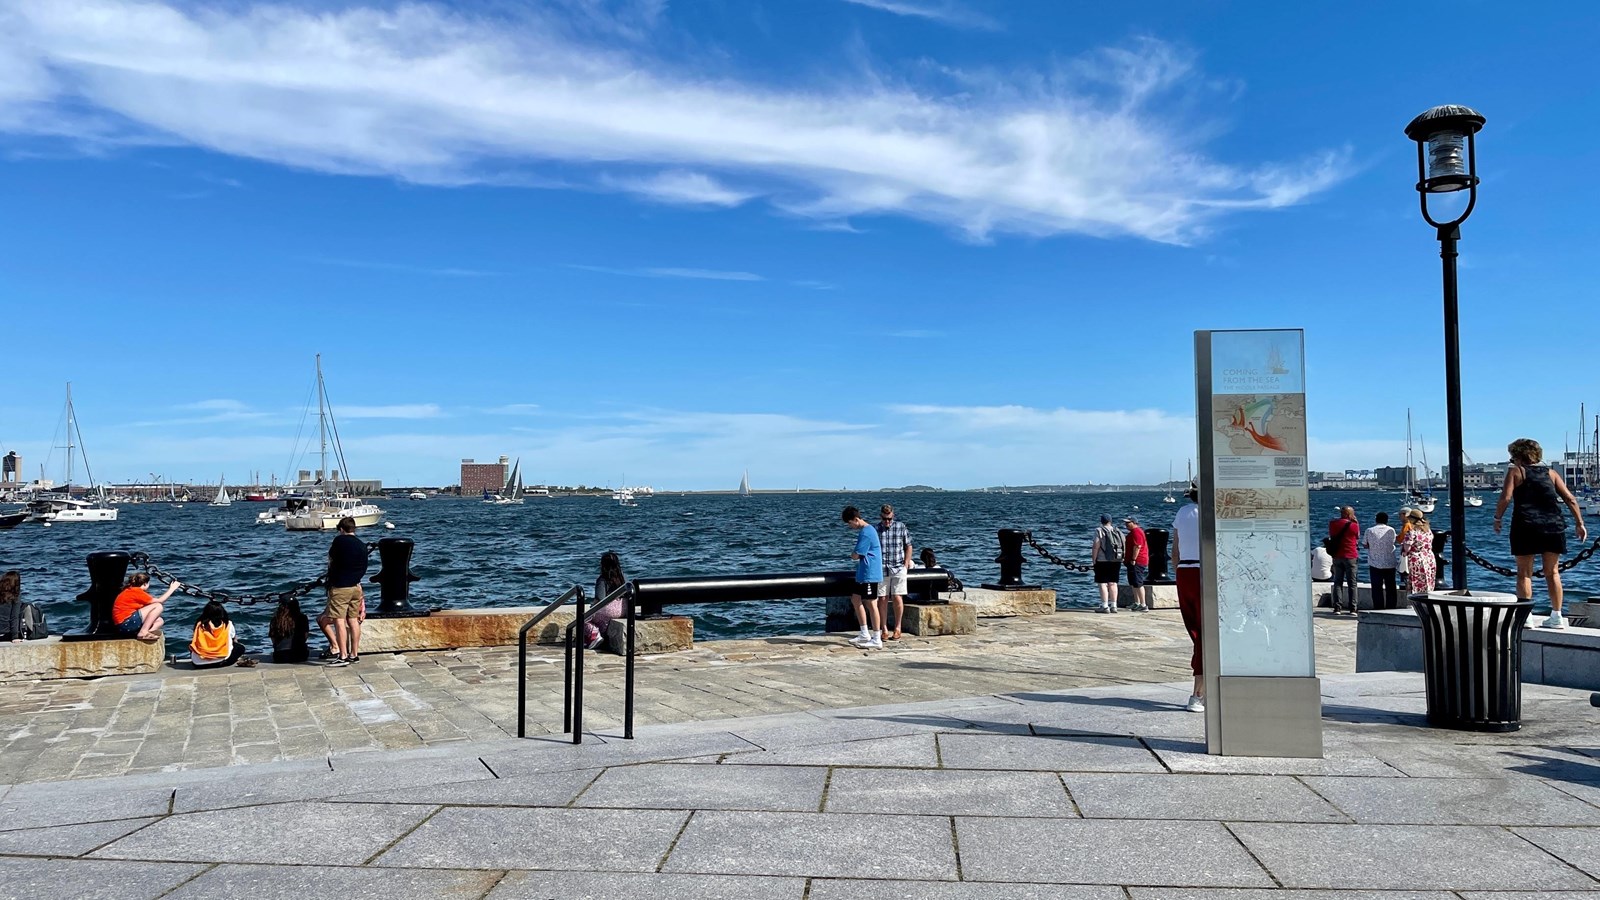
<point>1107,556</point>
<point>19,621</point>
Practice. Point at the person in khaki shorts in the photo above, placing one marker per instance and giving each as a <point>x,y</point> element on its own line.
<point>896,541</point>
<point>347,565</point>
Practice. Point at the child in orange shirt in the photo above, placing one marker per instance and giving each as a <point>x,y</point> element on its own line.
<point>135,612</point>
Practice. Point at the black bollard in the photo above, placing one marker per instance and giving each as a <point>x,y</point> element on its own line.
<point>108,570</point>
<point>394,579</point>
<point>1160,556</point>
<point>1010,560</point>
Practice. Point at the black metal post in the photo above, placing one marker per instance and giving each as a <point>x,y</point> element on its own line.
<point>1448,235</point>
<point>522,682</point>
<point>627,696</point>
<point>575,636</point>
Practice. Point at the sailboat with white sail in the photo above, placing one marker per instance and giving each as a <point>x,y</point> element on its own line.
<point>325,507</point>
<point>1167,497</point>
<point>1424,500</point>
<point>512,493</point>
<point>222,498</point>
<point>51,507</point>
<point>744,484</point>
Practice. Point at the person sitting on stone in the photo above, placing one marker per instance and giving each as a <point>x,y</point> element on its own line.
<point>611,578</point>
<point>952,584</point>
<point>136,613</point>
<point>213,645</point>
<point>288,633</point>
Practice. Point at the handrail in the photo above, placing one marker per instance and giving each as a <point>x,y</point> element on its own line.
<point>572,714</point>
<point>574,592</point>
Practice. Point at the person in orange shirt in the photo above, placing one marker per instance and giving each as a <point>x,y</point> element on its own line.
<point>214,643</point>
<point>135,612</point>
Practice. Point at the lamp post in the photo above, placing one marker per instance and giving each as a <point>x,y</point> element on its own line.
<point>1447,162</point>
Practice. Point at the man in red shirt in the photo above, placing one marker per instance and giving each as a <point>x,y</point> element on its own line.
<point>1344,540</point>
<point>1136,557</point>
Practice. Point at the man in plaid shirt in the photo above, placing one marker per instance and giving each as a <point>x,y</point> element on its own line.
<point>896,541</point>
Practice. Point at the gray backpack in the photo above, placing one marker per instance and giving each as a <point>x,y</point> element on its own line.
<point>22,621</point>
<point>1110,544</point>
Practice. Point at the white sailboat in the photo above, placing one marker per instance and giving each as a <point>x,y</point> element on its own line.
<point>326,507</point>
<point>1167,497</point>
<point>222,498</point>
<point>744,484</point>
<point>512,493</point>
<point>49,508</point>
<point>1424,500</point>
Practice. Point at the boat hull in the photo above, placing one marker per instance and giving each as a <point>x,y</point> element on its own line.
<point>78,515</point>
<point>328,520</point>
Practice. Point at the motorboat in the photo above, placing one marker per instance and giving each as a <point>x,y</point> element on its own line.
<point>54,508</point>
<point>291,505</point>
<point>625,498</point>
<point>416,495</point>
<point>13,518</point>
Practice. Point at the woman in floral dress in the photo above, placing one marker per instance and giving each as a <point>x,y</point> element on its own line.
<point>1417,549</point>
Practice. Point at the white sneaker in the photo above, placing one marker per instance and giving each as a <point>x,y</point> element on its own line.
<point>1196,704</point>
<point>861,640</point>
<point>1556,620</point>
<point>874,644</point>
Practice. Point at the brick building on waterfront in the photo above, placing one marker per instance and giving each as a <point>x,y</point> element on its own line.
<point>477,477</point>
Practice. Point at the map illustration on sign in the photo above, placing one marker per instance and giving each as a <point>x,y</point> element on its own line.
<point>1279,504</point>
<point>1259,424</point>
<point>1262,600</point>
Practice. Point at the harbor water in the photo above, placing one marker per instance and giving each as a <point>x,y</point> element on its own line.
<point>471,554</point>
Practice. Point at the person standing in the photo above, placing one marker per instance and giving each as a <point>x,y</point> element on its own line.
<point>1107,556</point>
<point>895,542</point>
<point>868,555</point>
<point>1417,549</point>
<point>1381,561</point>
<point>1136,557</point>
<point>1537,525</point>
<point>347,565</point>
<point>1345,533</point>
<point>1186,550</point>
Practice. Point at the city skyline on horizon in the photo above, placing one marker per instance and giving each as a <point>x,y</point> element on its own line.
<point>962,243</point>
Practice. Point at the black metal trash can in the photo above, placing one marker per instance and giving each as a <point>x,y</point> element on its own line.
<point>1472,660</point>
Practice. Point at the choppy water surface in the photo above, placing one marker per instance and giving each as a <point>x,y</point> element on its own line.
<point>470,554</point>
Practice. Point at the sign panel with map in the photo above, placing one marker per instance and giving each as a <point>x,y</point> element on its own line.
<point>1258,479</point>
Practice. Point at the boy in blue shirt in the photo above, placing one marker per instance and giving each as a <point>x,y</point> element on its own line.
<point>869,571</point>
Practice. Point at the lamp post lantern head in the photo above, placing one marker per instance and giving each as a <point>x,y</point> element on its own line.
<point>1446,155</point>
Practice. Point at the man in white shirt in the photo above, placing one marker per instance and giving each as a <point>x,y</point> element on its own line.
<point>1186,550</point>
<point>1381,562</point>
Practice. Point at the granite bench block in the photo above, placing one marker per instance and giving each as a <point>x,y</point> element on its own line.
<point>991,603</point>
<point>449,629</point>
<point>663,634</point>
<point>53,658</point>
<point>929,619</point>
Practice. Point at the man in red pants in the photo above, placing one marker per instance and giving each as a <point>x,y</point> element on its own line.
<point>1186,550</point>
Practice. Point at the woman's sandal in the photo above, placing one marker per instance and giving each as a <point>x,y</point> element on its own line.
<point>247,663</point>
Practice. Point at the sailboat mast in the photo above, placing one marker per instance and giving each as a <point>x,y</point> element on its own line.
<point>71,425</point>
<point>322,424</point>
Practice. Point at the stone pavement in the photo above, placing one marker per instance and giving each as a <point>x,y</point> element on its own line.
<point>181,719</point>
<point>1090,794</point>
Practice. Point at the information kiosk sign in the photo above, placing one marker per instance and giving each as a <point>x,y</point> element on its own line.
<point>1263,697</point>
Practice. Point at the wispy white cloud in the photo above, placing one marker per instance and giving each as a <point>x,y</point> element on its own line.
<point>684,188</point>
<point>435,95</point>
<point>396,411</point>
<point>673,272</point>
<point>947,12</point>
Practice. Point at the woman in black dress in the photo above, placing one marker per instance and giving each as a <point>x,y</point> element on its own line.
<point>1538,529</point>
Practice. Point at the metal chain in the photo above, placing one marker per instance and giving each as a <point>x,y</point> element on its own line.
<point>1577,560</point>
<point>142,562</point>
<point>1049,557</point>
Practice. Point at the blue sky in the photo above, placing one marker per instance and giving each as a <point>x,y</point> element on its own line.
<point>835,242</point>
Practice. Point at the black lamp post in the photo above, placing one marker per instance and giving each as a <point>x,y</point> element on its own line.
<point>1447,162</point>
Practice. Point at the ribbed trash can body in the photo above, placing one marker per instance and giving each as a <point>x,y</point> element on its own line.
<point>1472,659</point>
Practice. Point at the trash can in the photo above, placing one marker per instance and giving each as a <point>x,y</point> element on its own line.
<point>1472,659</point>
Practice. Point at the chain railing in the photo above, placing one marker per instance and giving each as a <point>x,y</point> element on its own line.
<point>143,563</point>
<point>1049,557</point>
<point>1581,557</point>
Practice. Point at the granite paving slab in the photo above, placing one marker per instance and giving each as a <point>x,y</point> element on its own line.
<point>66,840</point>
<point>850,889</point>
<point>1046,753</point>
<point>614,885</point>
<point>815,844</point>
<point>1528,895</point>
<point>1404,857</point>
<point>1276,894</point>
<point>1454,801</point>
<point>308,833</point>
<point>905,751</point>
<point>947,792</point>
<point>1575,846</point>
<point>1077,851</point>
<point>1450,760</point>
<point>67,803</point>
<point>246,788</point>
<point>598,755</point>
<point>302,882</point>
<point>90,879</point>
<point>604,840</point>
<point>1218,798</point>
<point>544,789</point>
<point>658,786</point>
<point>1191,757</point>
<point>824,730</point>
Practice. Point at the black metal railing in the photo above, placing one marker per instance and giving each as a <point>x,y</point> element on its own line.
<point>572,708</point>
<point>573,593</point>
